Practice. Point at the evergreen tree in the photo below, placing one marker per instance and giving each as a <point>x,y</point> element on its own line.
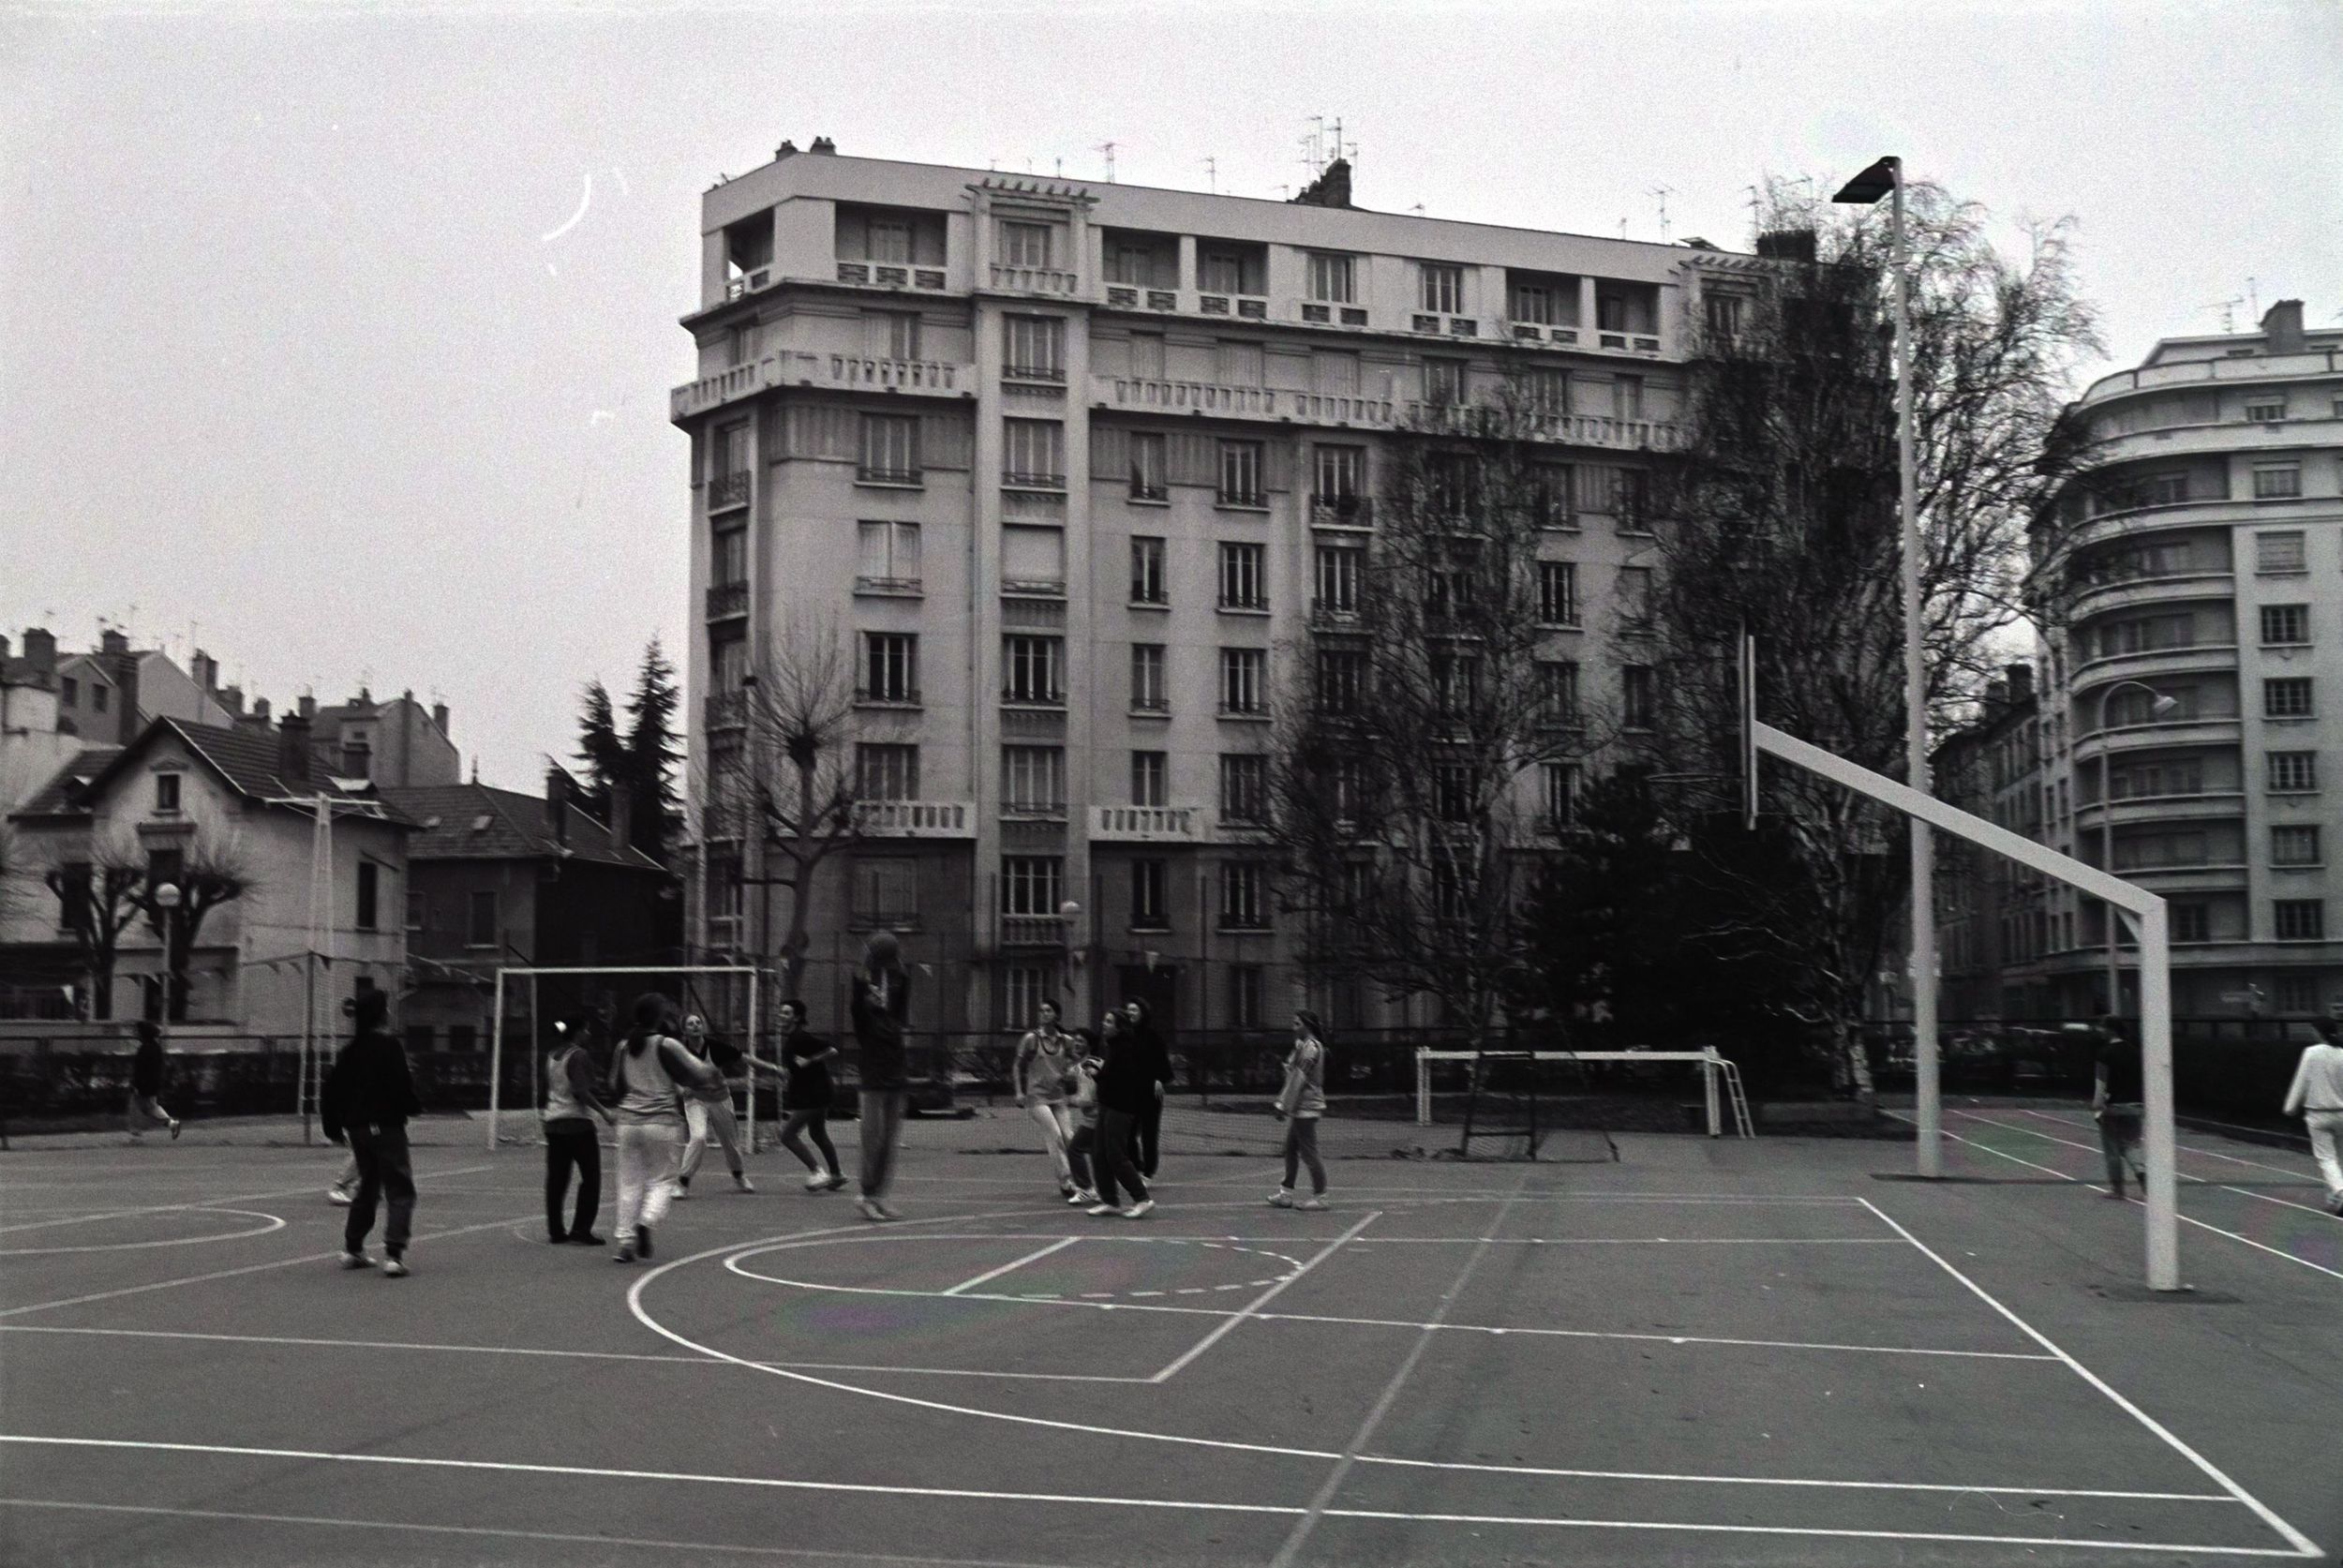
<point>651,752</point>
<point>601,752</point>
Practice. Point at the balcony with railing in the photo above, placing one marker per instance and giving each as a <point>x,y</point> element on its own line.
<point>891,275</point>
<point>1130,297</point>
<point>724,711</point>
<point>1249,308</point>
<point>1147,824</point>
<point>1342,510</point>
<point>1221,401</point>
<point>924,378</point>
<point>727,600</point>
<point>1036,280</point>
<point>729,490</point>
<point>916,819</point>
<point>1034,931</point>
<point>1196,397</point>
<point>886,696</point>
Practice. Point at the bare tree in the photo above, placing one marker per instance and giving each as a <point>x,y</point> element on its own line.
<point>1405,791</point>
<point>212,869</point>
<point>99,899</point>
<point>1784,519</point>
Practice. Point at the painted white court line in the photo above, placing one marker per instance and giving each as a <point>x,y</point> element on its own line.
<point>1034,1257</point>
<point>2302,1545</point>
<point>2321,1210</point>
<point>312,1185</point>
<point>1076,1500</point>
<point>269,1224</point>
<point>2306,1172</point>
<point>2184,1219</point>
<point>793,1554</point>
<point>1628,1241</point>
<point>1189,1356</point>
<point>232,1273</point>
<point>2222,1498</point>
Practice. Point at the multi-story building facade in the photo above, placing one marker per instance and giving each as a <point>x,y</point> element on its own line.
<point>1992,914</point>
<point>2194,655</point>
<point>1071,471</point>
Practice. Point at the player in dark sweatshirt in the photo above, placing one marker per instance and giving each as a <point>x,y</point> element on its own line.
<point>368,1097</point>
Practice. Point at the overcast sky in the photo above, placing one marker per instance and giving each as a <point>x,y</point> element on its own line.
<point>304,360</point>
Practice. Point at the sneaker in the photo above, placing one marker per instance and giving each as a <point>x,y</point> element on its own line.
<point>356,1261</point>
<point>174,1130</point>
<point>1083,1196</point>
<point>1282,1198</point>
<point>1066,1190</point>
<point>873,1210</point>
<point>741,1180</point>
<point>1313,1203</point>
<point>642,1242</point>
<point>833,1182</point>
<point>341,1197</point>
<point>1140,1210</point>
<point>682,1189</point>
<point>560,1238</point>
<point>1099,1211</point>
<point>394,1268</point>
<point>817,1183</point>
<point>625,1254</point>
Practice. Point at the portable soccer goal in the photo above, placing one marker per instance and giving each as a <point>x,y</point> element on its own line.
<point>1723,1101</point>
<point>707,989</point>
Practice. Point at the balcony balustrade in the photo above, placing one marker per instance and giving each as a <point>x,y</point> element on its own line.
<point>1147,824</point>
<point>729,489</point>
<point>1034,280</point>
<point>916,819</point>
<point>891,275</point>
<point>925,378</point>
<point>1033,931</point>
<point>1218,400</point>
<point>726,600</point>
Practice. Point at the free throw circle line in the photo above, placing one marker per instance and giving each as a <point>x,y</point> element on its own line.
<point>269,1223</point>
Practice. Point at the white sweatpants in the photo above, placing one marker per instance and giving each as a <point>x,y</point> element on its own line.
<point>2326,1127</point>
<point>1057,1130</point>
<point>702,1117</point>
<point>647,1162</point>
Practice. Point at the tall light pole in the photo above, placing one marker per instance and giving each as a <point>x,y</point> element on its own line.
<point>167,898</point>
<point>2162,703</point>
<point>1886,178</point>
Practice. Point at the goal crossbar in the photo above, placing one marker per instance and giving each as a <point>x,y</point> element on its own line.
<point>2144,910</point>
<point>1710,1062</point>
<point>531,972</point>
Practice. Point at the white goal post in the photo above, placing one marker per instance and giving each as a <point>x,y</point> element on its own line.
<point>1712,1066</point>
<point>532,973</point>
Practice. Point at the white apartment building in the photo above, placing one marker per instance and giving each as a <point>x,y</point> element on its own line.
<point>2195,731</point>
<point>1070,469</point>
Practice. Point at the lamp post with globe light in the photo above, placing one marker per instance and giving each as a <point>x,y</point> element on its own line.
<point>168,900</point>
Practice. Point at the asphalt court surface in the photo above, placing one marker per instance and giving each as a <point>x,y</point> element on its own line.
<point>1708,1352</point>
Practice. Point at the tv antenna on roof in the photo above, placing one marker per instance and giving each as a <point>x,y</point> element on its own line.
<point>1663,193</point>
<point>2227,307</point>
<point>1212,174</point>
<point>1108,149</point>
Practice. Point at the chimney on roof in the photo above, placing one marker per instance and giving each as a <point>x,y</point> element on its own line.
<point>1332,188</point>
<point>308,706</point>
<point>206,669</point>
<point>2021,682</point>
<point>293,748</point>
<point>622,819</point>
<point>40,648</point>
<point>231,698</point>
<point>439,717</point>
<point>1996,695</point>
<point>113,642</point>
<point>2282,327</point>
<point>823,147</point>
<point>558,805</point>
<point>787,149</point>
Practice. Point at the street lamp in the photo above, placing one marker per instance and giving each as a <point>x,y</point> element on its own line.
<point>2161,703</point>
<point>1885,177</point>
<point>167,898</point>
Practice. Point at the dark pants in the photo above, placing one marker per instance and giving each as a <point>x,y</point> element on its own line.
<point>882,1123</point>
<point>2119,1140</point>
<point>571,1146</point>
<point>384,1168</point>
<point>814,1124</point>
<point>1147,1134</point>
<point>1114,1156</point>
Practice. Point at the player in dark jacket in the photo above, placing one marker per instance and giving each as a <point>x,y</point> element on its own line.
<point>880,1009</point>
<point>146,1084</point>
<point>368,1097</point>
<point>1147,1129</point>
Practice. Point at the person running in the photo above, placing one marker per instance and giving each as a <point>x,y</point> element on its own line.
<point>709,1110</point>
<point>805,1097</point>
<point>1124,1093</point>
<point>645,1073</point>
<point>1147,1131</point>
<point>367,1099</point>
<point>2117,1096</point>
<point>880,1009</point>
<point>2317,1092</point>
<point>145,1106</point>
<point>1301,1105</point>
<point>571,1144</point>
<point>1084,1099</point>
<point>1045,1058</point>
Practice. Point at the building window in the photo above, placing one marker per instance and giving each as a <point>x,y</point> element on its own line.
<point>1341,680</point>
<point>887,771</point>
<point>2279,553</point>
<point>1242,683</point>
<point>2192,920</point>
<point>1026,244</point>
<point>886,892</point>
<point>1443,288</point>
<point>1033,561</point>
<point>1147,584</point>
<point>1638,696</point>
<point>1340,478</point>
<point>2297,993</point>
<point>1723,314</point>
<point>2265,410</point>
<point>886,556</point>
<point>97,696</point>
<point>369,894</point>
<point>1627,396</point>
<point>1555,498</point>
<point>2294,846</point>
<point>1444,382</point>
<point>1033,451</point>
<point>1558,689</point>
<point>1561,794</point>
<point>415,911</point>
<point>1035,669</point>
<point>1548,391</point>
<point>1332,279</point>
<point>68,692</point>
<point>1147,687</point>
<point>1242,363</point>
<point>890,450</point>
<point>1244,896</point>
<point>1241,570</point>
<point>1541,305</point>
<point>480,927</point>
<point>2286,698</point>
<point>1147,899</point>
<point>2285,625</point>
<point>1558,592</point>
<point>728,555</point>
<point>1241,474</point>
<point>891,666</point>
<point>1338,567</point>
<point>1634,598</point>
<point>1244,995</point>
<point>167,792</point>
<point>1024,987</point>
<point>1151,778</point>
<point>1243,786</point>
<point>895,334</point>
<point>1030,884</point>
<point>2278,482</point>
<point>1034,347</point>
<point>1033,779</point>
<point>1148,467</point>
<point>2294,772</point>
<point>1222,272</point>
<point>2300,920</point>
